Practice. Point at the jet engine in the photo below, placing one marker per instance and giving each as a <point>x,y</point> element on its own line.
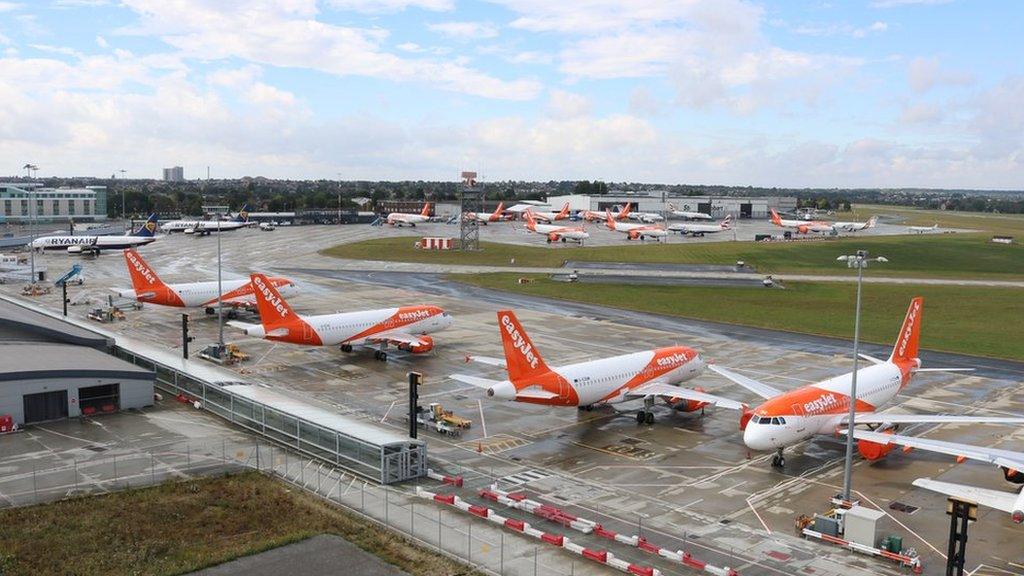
<point>633,235</point>
<point>1011,475</point>
<point>552,237</point>
<point>872,451</point>
<point>426,346</point>
<point>803,229</point>
<point>685,405</point>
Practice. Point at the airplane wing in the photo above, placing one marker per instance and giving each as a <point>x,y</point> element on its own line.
<point>526,394</point>
<point>761,389</point>
<point>996,456</point>
<point>499,362</point>
<point>992,498</point>
<point>395,338</point>
<point>890,418</point>
<point>670,391</point>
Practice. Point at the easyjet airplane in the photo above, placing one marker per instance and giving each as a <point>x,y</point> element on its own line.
<point>786,418</point>
<point>147,287</point>
<point>591,216</point>
<point>405,327</point>
<point>555,233</point>
<point>402,219</point>
<point>496,216</point>
<point>644,375</point>
<point>635,231</point>
<point>549,217</point>
<point>801,226</point>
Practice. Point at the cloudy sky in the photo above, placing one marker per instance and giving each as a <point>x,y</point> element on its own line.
<point>798,93</point>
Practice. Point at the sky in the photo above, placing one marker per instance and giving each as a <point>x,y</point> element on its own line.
<point>859,93</point>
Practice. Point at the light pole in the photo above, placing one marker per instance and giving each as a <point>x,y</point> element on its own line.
<point>860,262</point>
<point>220,291</point>
<point>29,167</point>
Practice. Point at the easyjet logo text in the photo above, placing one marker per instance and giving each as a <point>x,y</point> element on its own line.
<point>520,343</point>
<point>673,360</point>
<point>412,316</point>
<point>141,268</point>
<point>908,328</point>
<point>271,299</point>
<point>821,404</point>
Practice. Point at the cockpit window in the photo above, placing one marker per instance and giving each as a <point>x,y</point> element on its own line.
<point>775,421</point>
<point>782,420</point>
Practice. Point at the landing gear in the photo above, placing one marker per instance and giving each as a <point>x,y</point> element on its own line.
<point>210,311</point>
<point>232,314</point>
<point>346,347</point>
<point>646,416</point>
<point>380,355</point>
<point>778,461</point>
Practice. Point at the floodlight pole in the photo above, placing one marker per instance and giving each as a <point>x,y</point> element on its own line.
<point>220,291</point>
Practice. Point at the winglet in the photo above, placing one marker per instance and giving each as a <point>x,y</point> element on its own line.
<point>521,357</point>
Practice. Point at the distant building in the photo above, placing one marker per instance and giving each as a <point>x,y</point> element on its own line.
<point>176,174</point>
<point>654,201</point>
<point>23,202</point>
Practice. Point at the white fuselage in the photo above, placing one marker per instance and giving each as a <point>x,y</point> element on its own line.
<point>695,229</point>
<point>609,380</point>
<point>204,294</point>
<point>400,219</point>
<point>641,231</point>
<point>547,216</point>
<point>806,225</point>
<point>188,226</point>
<point>346,327</point>
<point>645,217</point>
<point>819,408</point>
<point>90,242</point>
<point>691,215</point>
<point>560,232</point>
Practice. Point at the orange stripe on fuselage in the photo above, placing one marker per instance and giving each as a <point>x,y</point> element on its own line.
<point>402,317</point>
<point>664,361</point>
<point>810,401</point>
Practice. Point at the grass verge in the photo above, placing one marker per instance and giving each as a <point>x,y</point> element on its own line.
<point>180,527</point>
<point>922,256</point>
<point>976,321</point>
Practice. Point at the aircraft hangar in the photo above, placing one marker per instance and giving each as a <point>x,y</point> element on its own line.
<point>50,370</point>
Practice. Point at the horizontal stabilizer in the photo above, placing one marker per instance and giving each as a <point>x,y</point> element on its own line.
<point>538,394</point>
<point>871,359</point>
<point>761,389</point>
<point>992,498</point>
<point>475,380</point>
<point>499,362</point>
<point>916,370</point>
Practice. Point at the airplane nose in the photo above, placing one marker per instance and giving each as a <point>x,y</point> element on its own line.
<point>756,437</point>
<point>502,391</point>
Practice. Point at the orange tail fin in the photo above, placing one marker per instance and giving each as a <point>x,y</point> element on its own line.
<point>775,218</point>
<point>274,311</point>
<point>609,221</point>
<point>521,356</point>
<point>144,278</point>
<point>905,349</point>
<point>426,209</point>
<point>563,213</point>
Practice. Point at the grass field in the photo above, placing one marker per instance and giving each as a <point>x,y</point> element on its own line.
<point>180,527</point>
<point>1005,224</point>
<point>937,256</point>
<point>957,319</point>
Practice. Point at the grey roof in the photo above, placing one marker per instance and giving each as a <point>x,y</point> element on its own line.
<point>33,325</point>
<point>36,360</point>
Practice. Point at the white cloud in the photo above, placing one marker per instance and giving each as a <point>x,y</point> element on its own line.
<point>287,34</point>
<point>10,6</point>
<point>388,6</point>
<point>81,3</point>
<point>102,42</point>
<point>897,3</point>
<point>921,113</point>
<point>530,57</point>
<point>562,104</point>
<point>4,40</point>
<point>927,73</point>
<point>465,30</point>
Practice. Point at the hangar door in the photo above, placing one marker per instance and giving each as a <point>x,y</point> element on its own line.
<point>46,406</point>
<point>104,398</point>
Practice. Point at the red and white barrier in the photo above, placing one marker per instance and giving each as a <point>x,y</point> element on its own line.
<point>435,244</point>
<point>453,480</point>
<point>912,562</point>
<point>559,540</point>
<point>519,501</point>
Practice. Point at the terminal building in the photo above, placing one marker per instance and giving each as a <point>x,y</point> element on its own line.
<point>21,203</point>
<point>51,370</point>
<point>658,202</point>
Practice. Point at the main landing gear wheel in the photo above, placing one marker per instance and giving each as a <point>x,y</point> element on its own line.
<point>779,461</point>
<point>644,417</point>
<point>347,348</point>
<point>380,355</point>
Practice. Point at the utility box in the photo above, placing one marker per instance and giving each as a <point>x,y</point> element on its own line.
<point>826,525</point>
<point>861,525</point>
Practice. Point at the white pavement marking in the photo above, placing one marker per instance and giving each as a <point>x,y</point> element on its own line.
<point>483,424</point>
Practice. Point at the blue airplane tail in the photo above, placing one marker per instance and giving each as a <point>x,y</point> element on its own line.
<point>243,214</point>
<point>148,229</point>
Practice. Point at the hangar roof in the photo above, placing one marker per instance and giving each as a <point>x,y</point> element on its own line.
<point>36,360</point>
<point>19,324</point>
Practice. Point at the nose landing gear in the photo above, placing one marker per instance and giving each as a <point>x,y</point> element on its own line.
<point>778,461</point>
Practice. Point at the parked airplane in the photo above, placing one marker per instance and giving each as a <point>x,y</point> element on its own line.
<point>801,226</point>
<point>204,227</point>
<point>495,216</point>
<point>147,287</point>
<point>923,229</point>
<point>622,214</point>
<point>646,375</point>
<point>695,230</point>
<point>635,231</point>
<point>786,418</point>
<point>687,214</point>
<point>646,217</point>
<point>854,226</point>
<point>549,217</point>
<point>404,327</point>
<point>403,219</point>
<point>95,244</point>
<point>555,233</point>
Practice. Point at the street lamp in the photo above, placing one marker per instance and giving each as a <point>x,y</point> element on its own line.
<point>860,262</point>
